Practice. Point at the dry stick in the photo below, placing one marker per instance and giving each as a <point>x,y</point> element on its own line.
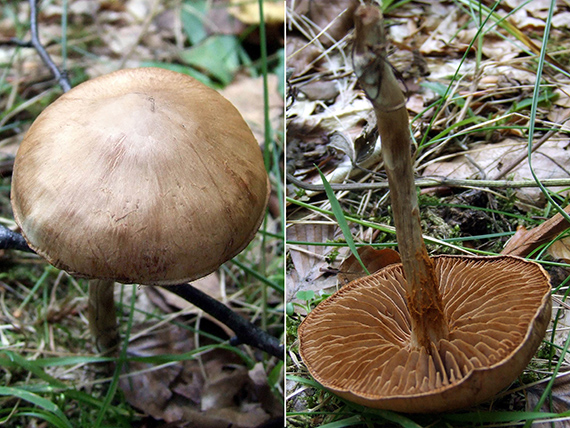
<point>10,240</point>
<point>245,331</point>
<point>376,78</point>
<point>434,182</point>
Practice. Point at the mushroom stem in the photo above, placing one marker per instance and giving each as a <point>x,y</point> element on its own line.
<point>102,315</point>
<point>375,75</point>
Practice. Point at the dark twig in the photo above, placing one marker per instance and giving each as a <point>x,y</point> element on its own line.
<point>13,41</point>
<point>434,182</point>
<point>10,240</point>
<point>60,76</point>
<point>246,332</point>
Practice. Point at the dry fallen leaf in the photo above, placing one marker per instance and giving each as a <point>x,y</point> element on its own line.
<point>560,249</point>
<point>558,403</point>
<point>373,259</point>
<point>246,94</point>
<point>214,391</point>
<point>551,160</point>
<point>334,15</point>
<point>248,12</point>
<point>309,261</point>
<point>524,241</point>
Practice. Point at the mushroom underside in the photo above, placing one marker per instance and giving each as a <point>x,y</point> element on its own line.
<point>357,342</point>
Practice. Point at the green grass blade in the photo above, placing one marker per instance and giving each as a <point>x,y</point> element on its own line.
<point>39,401</point>
<point>534,108</point>
<point>251,271</point>
<point>348,422</point>
<point>341,220</point>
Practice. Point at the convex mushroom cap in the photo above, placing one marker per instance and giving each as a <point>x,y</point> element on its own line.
<point>357,343</point>
<point>142,175</point>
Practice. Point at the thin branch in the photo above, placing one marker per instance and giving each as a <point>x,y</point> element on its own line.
<point>13,41</point>
<point>246,332</point>
<point>60,76</point>
<point>10,240</point>
<point>435,182</point>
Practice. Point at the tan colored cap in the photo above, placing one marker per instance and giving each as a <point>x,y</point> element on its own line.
<point>357,342</point>
<point>141,176</point>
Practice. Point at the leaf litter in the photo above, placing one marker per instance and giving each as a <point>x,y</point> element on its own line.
<point>471,100</point>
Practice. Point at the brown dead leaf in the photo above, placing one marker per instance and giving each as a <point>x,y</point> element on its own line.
<point>248,12</point>
<point>337,16</point>
<point>246,94</point>
<point>560,249</point>
<point>309,261</point>
<point>270,403</point>
<point>151,390</point>
<point>224,381</point>
<point>373,259</point>
<point>551,160</point>
<point>537,8</point>
<point>559,402</point>
<point>525,241</point>
<point>561,20</point>
<point>439,39</point>
<point>216,392</point>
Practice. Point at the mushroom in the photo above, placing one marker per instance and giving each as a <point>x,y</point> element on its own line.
<point>359,342</point>
<point>140,176</point>
<point>429,334</point>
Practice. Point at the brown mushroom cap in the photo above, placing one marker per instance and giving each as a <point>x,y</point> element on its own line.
<point>142,175</point>
<point>357,342</point>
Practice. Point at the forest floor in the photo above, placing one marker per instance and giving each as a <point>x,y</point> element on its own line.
<point>478,112</point>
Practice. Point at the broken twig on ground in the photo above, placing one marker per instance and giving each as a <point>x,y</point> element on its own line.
<point>61,76</point>
<point>434,182</point>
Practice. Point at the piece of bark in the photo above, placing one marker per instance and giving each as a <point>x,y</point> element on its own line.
<point>525,241</point>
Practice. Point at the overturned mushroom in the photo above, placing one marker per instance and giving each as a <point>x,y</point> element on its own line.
<point>429,334</point>
<point>140,176</point>
<point>359,342</point>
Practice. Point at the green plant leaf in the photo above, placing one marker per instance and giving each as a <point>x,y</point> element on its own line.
<point>199,76</point>
<point>191,16</point>
<point>306,295</point>
<point>216,56</point>
<point>39,401</point>
<point>348,422</point>
<point>280,72</point>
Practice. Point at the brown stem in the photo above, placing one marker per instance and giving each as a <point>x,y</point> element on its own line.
<point>102,315</point>
<point>376,78</point>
